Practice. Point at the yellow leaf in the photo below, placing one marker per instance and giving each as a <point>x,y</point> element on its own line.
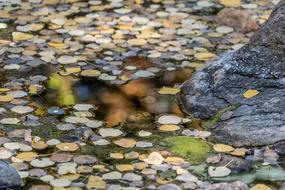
<point>137,42</point>
<point>67,147</point>
<point>73,69</point>
<point>20,36</point>
<point>4,89</point>
<point>174,160</point>
<point>70,177</point>
<point>138,2</point>
<point>239,152</point>
<point>33,89</point>
<point>260,187</point>
<point>124,167</point>
<point>40,145</point>
<point>95,182</point>
<point>6,98</point>
<point>90,73</point>
<point>125,142</point>
<point>117,155</point>
<point>27,156</point>
<point>204,56</point>
<point>36,27</point>
<point>168,90</point>
<point>57,45</point>
<point>230,3</point>
<point>250,93</point>
<point>223,148</point>
<point>169,128</point>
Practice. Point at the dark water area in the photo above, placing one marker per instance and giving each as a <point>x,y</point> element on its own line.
<point>117,102</point>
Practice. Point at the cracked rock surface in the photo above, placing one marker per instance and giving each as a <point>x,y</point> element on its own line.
<point>259,65</point>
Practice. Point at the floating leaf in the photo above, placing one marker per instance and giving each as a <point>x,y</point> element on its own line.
<point>117,156</point>
<point>204,56</point>
<point>169,119</point>
<point>95,182</point>
<point>67,147</point>
<point>174,160</point>
<point>169,128</point>
<point>168,90</point>
<point>73,69</point>
<point>33,89</point>
<point>230,3</point>
<point>90,73</point>
<point>239,152</point>
<point>5,153</point>
<point>42,163</point>
<point>27,156</point>
<point>6,98</point>
<point>20,36</point>
<point>125,142</point>
<point>124,167</point>
<point>250,93</point>
<point>39,145</point>
<point>137,42</point>
<point>154,158</point>
<point>223,148</point>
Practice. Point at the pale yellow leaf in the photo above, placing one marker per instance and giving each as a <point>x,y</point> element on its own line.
<point>223,148</point>
<point>168,90</point>
<point>230,3</point>
<point>250,93</point>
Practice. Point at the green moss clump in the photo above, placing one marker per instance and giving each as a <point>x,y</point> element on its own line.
<point>217,117</point>
<point>195,150</point>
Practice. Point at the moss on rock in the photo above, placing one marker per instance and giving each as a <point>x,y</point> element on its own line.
<point>217,117</point>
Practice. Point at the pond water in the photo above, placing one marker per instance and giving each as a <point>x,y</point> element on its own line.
<point>87,96</point>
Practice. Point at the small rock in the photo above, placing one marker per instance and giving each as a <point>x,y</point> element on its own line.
<point>241,20</point>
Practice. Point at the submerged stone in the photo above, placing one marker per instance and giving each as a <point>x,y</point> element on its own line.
<point>259,65</point>
<point>9,177</point>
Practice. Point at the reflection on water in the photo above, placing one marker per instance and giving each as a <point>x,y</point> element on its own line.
<point>118,103</point>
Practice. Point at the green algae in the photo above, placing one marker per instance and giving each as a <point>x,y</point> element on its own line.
<point>195,150</point>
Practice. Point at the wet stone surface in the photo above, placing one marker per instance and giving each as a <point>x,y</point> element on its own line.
<point>87,95</point>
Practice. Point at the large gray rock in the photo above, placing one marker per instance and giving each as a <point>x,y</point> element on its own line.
<point>9,177</point>
<point>258,65</point>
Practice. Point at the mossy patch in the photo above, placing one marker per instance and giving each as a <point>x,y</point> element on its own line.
<point>217,117</point>
<point>195,150</point>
